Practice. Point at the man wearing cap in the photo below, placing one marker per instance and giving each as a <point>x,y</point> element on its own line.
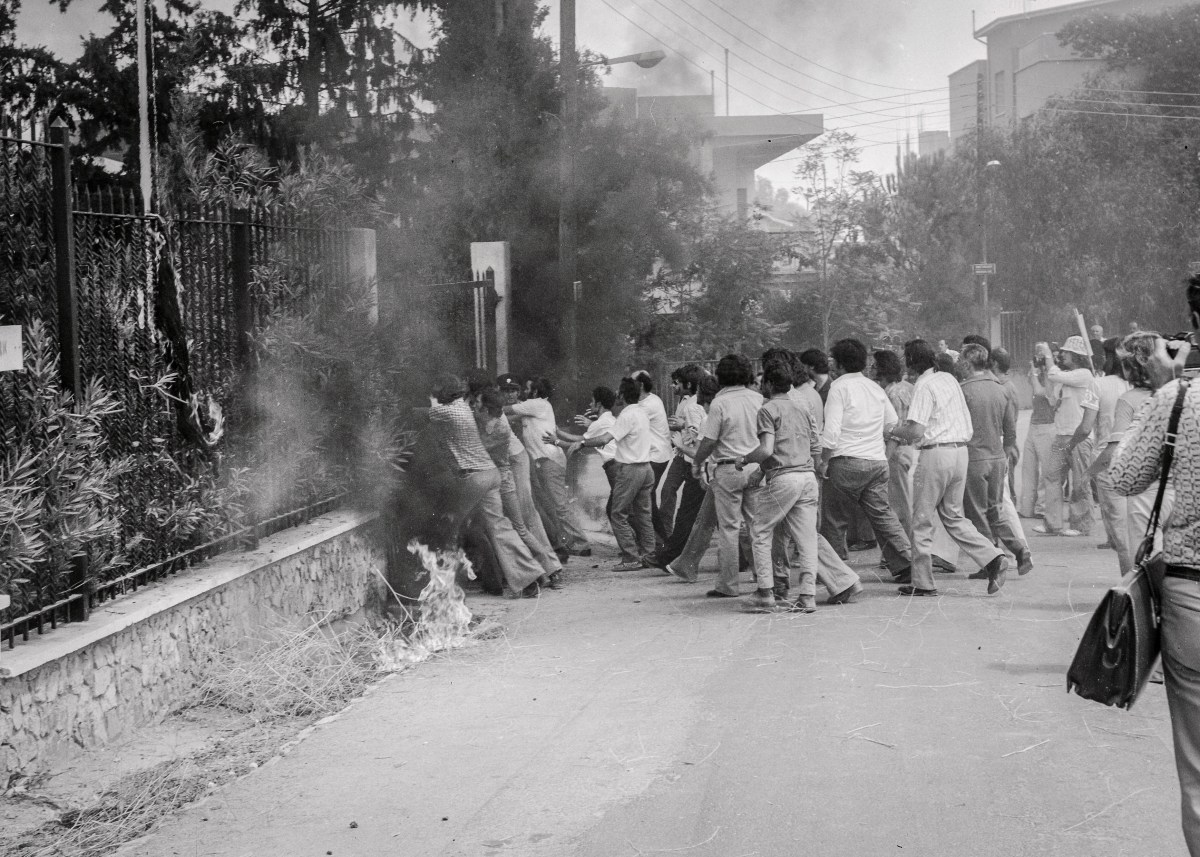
<point>1075,395</point>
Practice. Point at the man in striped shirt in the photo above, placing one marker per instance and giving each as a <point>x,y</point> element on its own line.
<point>940,425</point>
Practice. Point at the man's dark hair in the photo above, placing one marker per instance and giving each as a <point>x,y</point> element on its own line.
<point>605,397</point>
<point>492,401</point>
<point>800,373</point>
<point>776,353</point>
<point>1112,363</point>
<point>919,356</point>
<point>975,356</point>
<point>734,370</point>
<point>643,379</point>
<point>815,359</point>
<point>629,390</point>
<point>541,388</point>
<point>478,380</point>
<point>888,368</point>
<point>689,376</point>
<point>447,388</point>
<point>850,354</point>
<point>1001,360</point>
<point>944,362</point>
<point>709,387</point>
<point>778,373</point>
<point>1193,294</point>
<point>976,339</point>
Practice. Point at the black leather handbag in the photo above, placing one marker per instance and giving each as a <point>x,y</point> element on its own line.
<point>1121,642</point>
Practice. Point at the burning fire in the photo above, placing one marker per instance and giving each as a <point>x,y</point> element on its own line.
<point>442,615</point>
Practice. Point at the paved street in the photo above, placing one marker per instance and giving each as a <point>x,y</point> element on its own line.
<point>629,715</point>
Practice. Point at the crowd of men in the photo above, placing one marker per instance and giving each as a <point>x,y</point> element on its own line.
<point>791,467</point>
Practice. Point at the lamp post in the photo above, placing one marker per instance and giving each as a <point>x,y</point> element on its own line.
<point>986,268</point>
<point>570,287</point>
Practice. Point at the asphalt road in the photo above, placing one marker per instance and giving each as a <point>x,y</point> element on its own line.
<point>629,715</point>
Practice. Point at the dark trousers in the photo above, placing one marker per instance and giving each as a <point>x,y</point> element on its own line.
<point>662,529</point>
<point>860,483</point>
<point>983,500</point>
<point>610,473</point>
<point>677,471</point>
<point>691,498</point>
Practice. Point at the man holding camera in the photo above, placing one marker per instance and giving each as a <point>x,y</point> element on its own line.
<point>1072,390</point>
<point>1135,467</point>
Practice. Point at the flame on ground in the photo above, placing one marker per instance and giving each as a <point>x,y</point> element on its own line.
<point>442,616</point>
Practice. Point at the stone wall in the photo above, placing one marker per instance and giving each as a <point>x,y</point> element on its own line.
<point>139,656</point>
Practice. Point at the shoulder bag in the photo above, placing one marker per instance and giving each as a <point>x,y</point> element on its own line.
<point>1121,642</point>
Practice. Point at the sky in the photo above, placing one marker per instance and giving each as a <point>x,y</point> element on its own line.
<point>876,68</point>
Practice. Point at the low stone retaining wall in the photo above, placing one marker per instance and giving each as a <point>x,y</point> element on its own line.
<point>87,684</point>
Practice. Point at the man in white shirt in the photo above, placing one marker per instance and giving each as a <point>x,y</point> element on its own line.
<point>549,474</point>
<point>857,413</point>
<point>1076,397</point>
<point>660,444</point>
<point>605,406</point>
<point>633,481</point>
<point>940,425</point>
<point>730,431</point>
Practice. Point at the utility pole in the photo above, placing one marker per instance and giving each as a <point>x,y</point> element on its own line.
<point>567,241</point>
<point>727,81</point>
<point>144,96</point>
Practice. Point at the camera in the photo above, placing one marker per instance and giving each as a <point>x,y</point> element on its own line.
<point>1192,368</point>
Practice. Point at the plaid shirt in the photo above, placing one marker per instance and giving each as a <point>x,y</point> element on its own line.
<point>938,405</point>
<point>1137,465</point>
<point>460,435</point>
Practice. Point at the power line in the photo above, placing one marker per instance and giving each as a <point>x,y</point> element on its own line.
<point>1126,115</point>
<point>753,47</point>
<point>748,62</point>
<point>804,58</point>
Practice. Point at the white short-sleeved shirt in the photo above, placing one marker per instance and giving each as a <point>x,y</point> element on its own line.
<point>599,426</point>
<point>693,415</point>
<point>631,432</point>
<point>856,411</point>
<point>938,404</point>
<point>538,420</point>
<point>660,430</point>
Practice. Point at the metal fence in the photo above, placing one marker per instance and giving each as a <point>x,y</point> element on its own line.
<point>83,264</point>
<point>446,327</point>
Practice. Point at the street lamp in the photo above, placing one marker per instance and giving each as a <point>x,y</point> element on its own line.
<point>569,67</point>
<point>985,269</point>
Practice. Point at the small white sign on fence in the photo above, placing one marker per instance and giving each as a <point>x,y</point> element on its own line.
<point>11,357</point>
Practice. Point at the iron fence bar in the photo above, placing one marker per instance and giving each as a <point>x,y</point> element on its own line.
<point>68,316</point>
<point>19,141</point>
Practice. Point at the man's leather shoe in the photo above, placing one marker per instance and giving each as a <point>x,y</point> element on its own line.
<point>997,571</point>
<point>716,593</point>
<point>904,576</point>
<point>862,546</point>
<point>1025,563</point>
<point>941,565</point>
<point>846,595</point>
<point>912,590</point>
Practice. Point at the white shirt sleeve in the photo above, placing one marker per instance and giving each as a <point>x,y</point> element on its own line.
<point>834,410</point>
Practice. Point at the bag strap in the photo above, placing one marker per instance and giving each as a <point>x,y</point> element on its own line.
<point>1168,456</point>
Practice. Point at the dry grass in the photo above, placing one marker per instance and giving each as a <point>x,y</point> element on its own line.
<point>290,672</point>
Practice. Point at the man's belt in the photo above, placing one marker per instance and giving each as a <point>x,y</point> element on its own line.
<point>1184,571</point>
<point>940,445</point>
<point>725,461</point>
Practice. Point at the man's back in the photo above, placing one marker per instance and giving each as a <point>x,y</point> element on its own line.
<point>993,418</point>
